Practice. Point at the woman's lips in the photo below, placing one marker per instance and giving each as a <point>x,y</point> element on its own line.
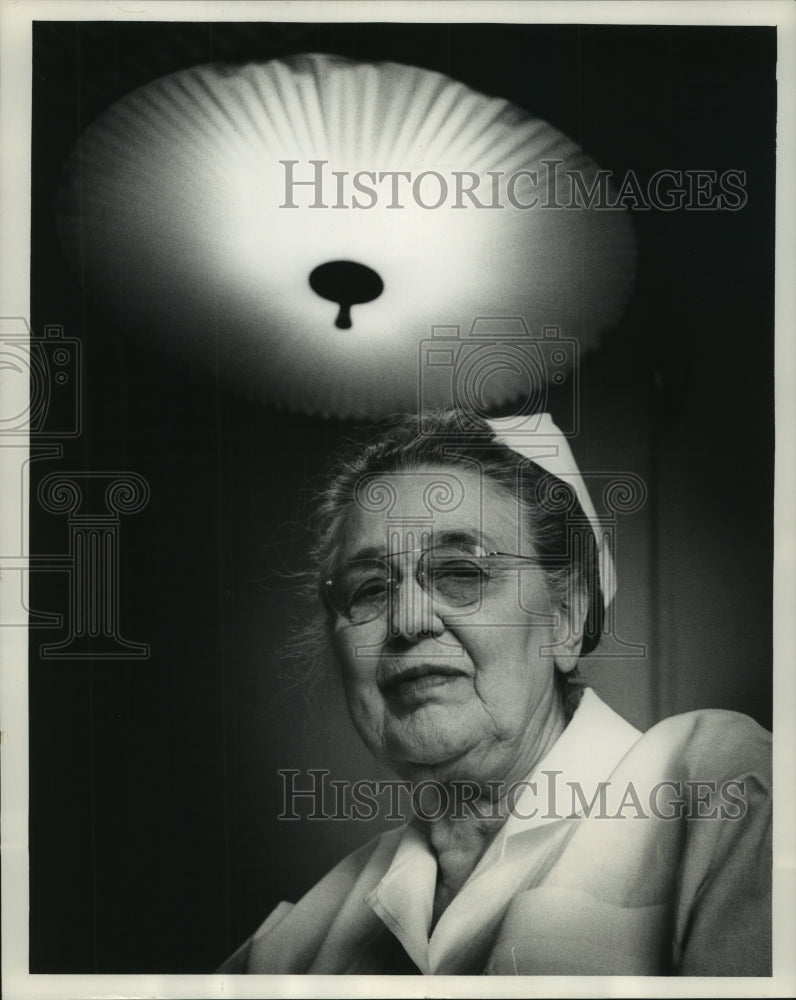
<point>416,683</point>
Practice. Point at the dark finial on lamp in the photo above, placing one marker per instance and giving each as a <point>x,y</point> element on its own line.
<point>348,283</point>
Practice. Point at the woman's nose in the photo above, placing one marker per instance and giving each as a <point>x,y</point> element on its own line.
<point>412,614</point>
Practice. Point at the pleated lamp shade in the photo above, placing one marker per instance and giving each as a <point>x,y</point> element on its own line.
<point>215,207</point>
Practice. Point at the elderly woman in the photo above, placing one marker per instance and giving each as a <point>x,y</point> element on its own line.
<point>458,594</point>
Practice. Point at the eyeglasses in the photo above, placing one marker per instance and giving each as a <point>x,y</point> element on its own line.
<point>362,589</point>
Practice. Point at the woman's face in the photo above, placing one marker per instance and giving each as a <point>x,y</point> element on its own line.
<point>448,692</point>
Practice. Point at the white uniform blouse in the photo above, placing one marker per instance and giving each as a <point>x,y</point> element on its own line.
<point>625,854</point>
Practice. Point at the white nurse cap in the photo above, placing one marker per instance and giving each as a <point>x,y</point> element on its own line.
<point>536,437</point>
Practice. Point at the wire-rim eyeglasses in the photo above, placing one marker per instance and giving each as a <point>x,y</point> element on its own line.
<point>363,589</point>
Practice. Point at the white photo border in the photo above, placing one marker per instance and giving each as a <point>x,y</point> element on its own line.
<point>15,137</point>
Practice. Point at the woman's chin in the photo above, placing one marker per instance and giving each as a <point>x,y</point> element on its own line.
<point>434,744</point>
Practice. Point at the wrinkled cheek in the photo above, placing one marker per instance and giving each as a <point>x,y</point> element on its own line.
<point>503,704</point>
<point>367,710</point>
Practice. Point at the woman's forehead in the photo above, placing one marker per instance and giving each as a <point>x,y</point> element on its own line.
<point>432,502</point>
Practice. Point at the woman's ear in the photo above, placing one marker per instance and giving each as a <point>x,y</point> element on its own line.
<point>572,620</point>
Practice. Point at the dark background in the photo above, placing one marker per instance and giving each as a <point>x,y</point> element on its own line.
<point>153,790</point>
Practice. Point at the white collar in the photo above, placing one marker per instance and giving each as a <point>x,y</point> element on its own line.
<point>587,752</point>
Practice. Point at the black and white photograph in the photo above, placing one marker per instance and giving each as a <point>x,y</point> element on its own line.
<point>397,547</point>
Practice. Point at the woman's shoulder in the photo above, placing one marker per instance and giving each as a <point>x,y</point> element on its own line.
<point>717,741</point>
<point>373,856</point>
<point>291,932</point>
